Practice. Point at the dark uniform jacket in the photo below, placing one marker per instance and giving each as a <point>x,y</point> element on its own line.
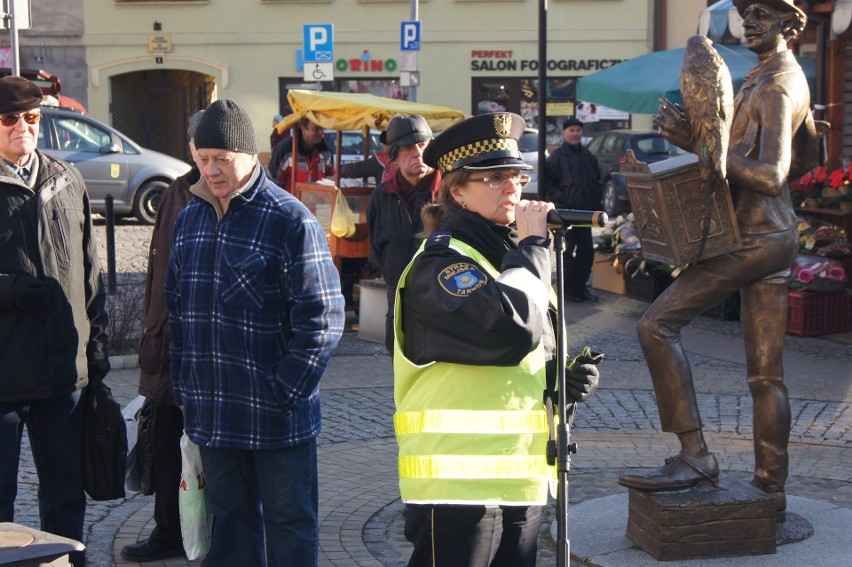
<point>572,178</point>
<point>54,344</point>
<point>154,381</point>
<point>494,325</point>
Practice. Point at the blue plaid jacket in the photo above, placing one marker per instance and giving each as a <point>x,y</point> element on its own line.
<point>255,312</point>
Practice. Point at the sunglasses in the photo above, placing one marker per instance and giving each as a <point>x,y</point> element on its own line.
<point>499,180</point>
<point>12,119</point>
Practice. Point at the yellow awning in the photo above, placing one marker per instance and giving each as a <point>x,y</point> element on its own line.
<point>354,111</point>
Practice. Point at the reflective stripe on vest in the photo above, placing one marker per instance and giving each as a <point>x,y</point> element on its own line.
<point>470,434</point>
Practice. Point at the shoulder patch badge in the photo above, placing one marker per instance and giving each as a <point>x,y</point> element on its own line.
<point>461,279</point>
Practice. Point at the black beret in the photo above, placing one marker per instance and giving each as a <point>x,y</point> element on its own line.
<point>483,142</point>
<point>573,121</point>
<point>18,94</point>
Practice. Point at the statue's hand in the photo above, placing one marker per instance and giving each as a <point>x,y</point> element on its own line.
<point>674,126</point>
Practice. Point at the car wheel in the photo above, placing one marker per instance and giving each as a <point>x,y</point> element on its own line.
<point>147,201</point>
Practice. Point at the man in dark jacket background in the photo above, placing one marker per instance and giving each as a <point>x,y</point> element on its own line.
<point>313,163</point>
<point>154,379</point>
<point>393,214</point>
<point>572,180</point>
<point>53,319</point>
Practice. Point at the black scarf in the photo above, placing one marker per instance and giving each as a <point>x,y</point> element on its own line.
<point>492,240</point>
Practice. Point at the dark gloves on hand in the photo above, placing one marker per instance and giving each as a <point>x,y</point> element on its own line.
<point>582,375</point>
<point>29,293</point>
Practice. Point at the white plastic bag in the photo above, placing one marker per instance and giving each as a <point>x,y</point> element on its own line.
<point>133,479</point>
<point>195,522</point>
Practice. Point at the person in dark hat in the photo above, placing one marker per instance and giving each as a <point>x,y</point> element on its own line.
<point>53,317</point>
<point>473,346</point>
<point>393,213</point>
<point>255,311</point>
<point>772,138</point>
<point>572,180</point>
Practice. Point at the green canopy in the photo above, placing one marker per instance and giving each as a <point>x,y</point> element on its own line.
<point>636,85</point>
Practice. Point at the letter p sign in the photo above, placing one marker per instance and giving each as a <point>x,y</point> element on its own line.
<point>409,36</point>
<point>318,43</point>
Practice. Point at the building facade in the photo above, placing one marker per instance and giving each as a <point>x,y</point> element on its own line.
<point>151,64</point>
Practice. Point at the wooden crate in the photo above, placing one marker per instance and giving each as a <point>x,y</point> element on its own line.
<point>668,205</point>
<point>734,519</point>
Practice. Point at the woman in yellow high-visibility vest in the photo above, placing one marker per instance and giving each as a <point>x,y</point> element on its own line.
<point>473,344</point>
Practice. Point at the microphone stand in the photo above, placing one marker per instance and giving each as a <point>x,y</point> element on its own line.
<point>566,411</point>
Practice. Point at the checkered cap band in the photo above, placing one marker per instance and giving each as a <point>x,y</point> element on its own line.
<point>478,151</point>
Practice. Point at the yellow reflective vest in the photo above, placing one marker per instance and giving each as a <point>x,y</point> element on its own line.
<point>470,434</point>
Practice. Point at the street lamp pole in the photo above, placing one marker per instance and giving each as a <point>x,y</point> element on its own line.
<point>542,93</point>
<point>13,40</point>
<point>415,16</point>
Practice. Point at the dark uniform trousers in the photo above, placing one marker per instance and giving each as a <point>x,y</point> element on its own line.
<point>470,536</point>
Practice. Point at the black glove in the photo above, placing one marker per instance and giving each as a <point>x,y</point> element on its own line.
<point>29,293</point>
<point>582,375</point>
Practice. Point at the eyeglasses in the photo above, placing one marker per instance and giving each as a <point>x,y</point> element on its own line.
<point>12,119</point>
<point>499,180</point>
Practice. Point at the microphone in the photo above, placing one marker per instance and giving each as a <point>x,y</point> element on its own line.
<point>576,217</point>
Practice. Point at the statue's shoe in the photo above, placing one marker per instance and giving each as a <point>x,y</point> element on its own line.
<point>680,471</point>
<point>780,502</point>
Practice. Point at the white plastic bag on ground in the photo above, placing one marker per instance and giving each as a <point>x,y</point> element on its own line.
<point>195,522</point>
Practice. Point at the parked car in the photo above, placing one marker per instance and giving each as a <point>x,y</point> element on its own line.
<point>610,148</point>
<point>352,144</point>
<point>528,144</point>
<point>110,162</point>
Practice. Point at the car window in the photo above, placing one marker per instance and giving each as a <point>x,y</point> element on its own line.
<point>610,144</point>
<point>352,142</point>
<point>657,145</point>
<point>81,136</point>
<point>595,144</point>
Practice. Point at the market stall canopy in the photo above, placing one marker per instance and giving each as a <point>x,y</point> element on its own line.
<point>637,84</point>
<point>355,111</point>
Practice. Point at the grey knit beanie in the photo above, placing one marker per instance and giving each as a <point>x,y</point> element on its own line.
<point>225,125</point>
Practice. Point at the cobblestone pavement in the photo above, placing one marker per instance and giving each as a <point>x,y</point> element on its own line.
<point>361,516</point>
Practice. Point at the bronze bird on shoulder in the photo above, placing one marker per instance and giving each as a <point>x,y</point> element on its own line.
<point>708,97</point>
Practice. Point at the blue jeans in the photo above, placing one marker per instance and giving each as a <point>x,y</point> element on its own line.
<point>55,430</point>
<point>284,483</point>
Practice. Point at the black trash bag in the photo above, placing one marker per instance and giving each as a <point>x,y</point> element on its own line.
<point>104,444</point>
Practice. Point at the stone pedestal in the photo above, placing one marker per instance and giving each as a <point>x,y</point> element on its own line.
<point>734,519</point>
<point>21,546</point>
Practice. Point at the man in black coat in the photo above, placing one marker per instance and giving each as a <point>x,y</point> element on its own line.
<point>572,180</point>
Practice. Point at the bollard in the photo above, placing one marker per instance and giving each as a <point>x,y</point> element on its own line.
<point>110,242</point>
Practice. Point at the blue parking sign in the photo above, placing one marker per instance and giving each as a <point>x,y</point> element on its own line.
<point>409,36</point>
<point>319,43</point>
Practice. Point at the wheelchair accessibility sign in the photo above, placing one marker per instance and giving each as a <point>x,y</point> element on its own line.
<point>318,72</point>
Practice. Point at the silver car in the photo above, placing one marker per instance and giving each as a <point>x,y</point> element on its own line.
<point>109,162</point>
<point>528,144</point>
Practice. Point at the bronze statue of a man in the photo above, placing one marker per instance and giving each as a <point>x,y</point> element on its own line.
<point>772,137</point>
